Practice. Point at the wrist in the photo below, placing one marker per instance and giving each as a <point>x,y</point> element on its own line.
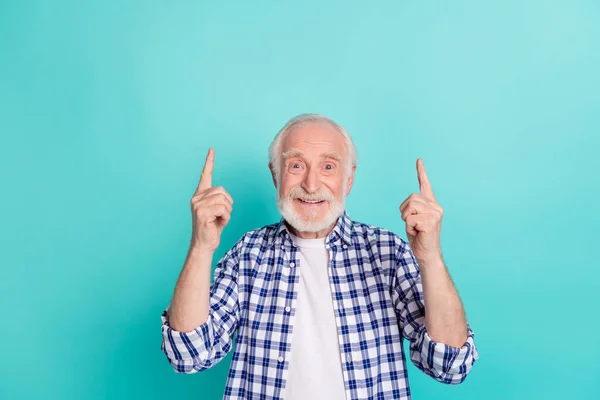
<point>199,250</point>
<point>433,261</point>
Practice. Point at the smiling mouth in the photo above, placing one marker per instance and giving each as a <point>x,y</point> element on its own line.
<point>311,202</point>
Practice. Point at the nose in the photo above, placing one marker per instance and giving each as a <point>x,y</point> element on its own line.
<point>311,182</point>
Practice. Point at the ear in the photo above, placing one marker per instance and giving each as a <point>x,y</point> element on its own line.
<point>350,180</point>
<point>273,176</point>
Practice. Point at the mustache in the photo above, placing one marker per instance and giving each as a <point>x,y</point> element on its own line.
<point>298,192</point>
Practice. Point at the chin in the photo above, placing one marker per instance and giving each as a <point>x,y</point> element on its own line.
<point>305,221</point>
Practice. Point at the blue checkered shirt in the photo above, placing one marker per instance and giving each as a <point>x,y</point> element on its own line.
<point>377,299</point>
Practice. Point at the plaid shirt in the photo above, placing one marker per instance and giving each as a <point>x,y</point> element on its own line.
<point>377,299</point>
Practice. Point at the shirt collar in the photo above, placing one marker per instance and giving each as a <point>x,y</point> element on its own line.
<point>343,229</point>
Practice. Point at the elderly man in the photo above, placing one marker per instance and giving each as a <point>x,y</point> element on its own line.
<point>320,303</point>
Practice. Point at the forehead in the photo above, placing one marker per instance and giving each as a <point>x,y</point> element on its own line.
<point>314,138</point>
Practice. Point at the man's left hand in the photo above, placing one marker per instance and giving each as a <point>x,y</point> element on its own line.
<point>423,217</point>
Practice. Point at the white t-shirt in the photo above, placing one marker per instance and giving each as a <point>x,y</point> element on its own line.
<point>315,370</point>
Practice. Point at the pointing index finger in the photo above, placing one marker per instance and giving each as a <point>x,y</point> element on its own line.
<point>424,184</point>
<point>206,177</point>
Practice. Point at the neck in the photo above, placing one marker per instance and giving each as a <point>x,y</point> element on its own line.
<point>311,235</point>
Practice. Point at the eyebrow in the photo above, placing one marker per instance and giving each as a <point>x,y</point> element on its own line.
<point>332,154</point>
<point>299,153</point>
<point>292,153</point>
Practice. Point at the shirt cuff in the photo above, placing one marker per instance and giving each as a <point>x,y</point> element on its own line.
<point>449,364</point>
<point>185,349</point>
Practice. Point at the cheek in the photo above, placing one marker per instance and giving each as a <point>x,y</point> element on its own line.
<point>286,185</point>
<point>337,188</point>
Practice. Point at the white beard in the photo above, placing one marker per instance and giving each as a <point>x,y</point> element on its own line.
<point>310,224</point>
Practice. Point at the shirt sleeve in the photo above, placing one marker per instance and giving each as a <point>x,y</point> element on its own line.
<point>209,343</point>
<point>444,363</point>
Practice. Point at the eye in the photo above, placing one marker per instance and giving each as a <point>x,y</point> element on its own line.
<point>295,167</point>
<point>329,167</point>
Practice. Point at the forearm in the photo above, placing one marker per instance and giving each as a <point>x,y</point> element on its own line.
<point>444,314</point>
<point>190,304</point>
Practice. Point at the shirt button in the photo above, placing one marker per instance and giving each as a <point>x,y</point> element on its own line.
<point>292,265</point>
<point>345,246</point>
<point>280,359</point>
<point>349,358</point>
<point>326,246</point>
<point>288,309</point>
<point>282,247</point>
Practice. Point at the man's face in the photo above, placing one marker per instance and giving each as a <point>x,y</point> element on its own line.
<point>313,182</point>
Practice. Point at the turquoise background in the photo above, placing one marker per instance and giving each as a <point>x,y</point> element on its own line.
<point>107,110</point>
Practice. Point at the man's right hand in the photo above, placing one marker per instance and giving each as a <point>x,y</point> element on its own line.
<point>211,209</point>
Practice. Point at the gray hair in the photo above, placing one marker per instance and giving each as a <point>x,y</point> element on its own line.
<point>303,119</point>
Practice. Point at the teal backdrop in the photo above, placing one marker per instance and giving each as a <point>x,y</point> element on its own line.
<point>107,110</point>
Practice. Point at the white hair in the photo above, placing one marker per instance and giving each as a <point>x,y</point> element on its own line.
<point>303,119</point>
